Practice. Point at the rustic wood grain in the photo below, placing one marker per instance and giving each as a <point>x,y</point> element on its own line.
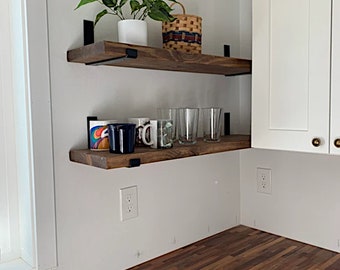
<point>106,160</point>
<point>244,248</point>
<point>160,59</point>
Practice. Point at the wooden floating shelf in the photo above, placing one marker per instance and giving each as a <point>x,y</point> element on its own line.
<point>106,160</point>
<point>134,56</point>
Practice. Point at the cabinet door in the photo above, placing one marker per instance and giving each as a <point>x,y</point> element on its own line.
<point>335,89</point>
<point>291,74</point>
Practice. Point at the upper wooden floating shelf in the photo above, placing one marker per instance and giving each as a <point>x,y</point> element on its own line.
<point>143,155</point>
<point>126,55</point>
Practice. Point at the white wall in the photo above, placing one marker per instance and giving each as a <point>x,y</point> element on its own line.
<point>305,201</point>
<point>180,201</point>
<point>245,52</point>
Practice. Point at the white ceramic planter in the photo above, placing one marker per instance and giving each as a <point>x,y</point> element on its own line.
<point>133,32</point>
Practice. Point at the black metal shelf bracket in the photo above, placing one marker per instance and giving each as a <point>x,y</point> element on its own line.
<point>227,54</point>
<point>129,54</point>
<point>237,74</point>
<point>134,162</point>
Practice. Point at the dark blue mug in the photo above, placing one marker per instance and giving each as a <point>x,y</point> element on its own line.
<point>122,137</point>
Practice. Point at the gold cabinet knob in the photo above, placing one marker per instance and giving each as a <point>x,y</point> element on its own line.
<point>337,143</point>
<point>316,142</point>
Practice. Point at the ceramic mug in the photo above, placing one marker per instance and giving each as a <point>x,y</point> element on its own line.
<point>140,123</point>
<point>122,137</point>
<point>161,133</point>
<point>98,134</point>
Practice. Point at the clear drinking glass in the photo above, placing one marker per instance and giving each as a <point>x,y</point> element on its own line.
<point>212,124</point>
<point>187,125</point>
<point>164,133</point>
<point>170,114</point>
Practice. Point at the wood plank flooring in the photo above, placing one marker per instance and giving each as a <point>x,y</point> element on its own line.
<point>243,248</point>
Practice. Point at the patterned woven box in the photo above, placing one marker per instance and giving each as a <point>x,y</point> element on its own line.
<point>184,34</point>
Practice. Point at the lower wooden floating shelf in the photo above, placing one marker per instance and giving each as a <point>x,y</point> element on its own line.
<point>106,160</point>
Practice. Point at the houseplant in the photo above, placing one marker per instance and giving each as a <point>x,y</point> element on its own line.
<point>157,10</point>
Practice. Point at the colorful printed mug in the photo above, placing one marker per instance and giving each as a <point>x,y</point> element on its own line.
<point>98,133</point>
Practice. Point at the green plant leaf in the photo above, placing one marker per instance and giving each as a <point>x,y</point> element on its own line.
<point>122,3</point>
<point>165,6</point>
<point>134,4</point>
<point>110,3</point>
<point>157,15</point>
<point>84,2</point>
<point>157,10</point>
<point>100,15</point>
<point>147,3</point>
<point>160,11</point>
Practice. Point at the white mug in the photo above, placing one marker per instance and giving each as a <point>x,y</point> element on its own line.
<point>161,133</point>
<point>140,123</point>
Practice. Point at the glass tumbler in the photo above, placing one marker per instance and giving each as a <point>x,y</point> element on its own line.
<point>170,114</point>
<point>212,124</point>
<point>187,125</point>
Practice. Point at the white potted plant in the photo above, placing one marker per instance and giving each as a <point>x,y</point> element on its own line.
<point>134,29</point>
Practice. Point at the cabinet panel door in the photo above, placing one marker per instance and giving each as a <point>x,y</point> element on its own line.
<point>335,89</point>
<point>291,74</point>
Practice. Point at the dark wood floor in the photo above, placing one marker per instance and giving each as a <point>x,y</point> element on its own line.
<point>243,248</point>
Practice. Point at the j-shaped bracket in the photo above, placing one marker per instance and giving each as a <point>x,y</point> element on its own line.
<point>129,54</point>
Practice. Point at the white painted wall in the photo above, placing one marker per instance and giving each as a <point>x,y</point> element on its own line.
<point>304,203</point>
<point>180,201</point>
<point>245,52</point>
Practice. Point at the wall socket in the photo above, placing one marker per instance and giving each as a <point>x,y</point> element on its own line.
<point>128,203</point>
<point>264,180</point>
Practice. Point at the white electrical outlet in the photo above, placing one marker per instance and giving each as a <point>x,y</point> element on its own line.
<point>128,203</point>
<point>264,180</point>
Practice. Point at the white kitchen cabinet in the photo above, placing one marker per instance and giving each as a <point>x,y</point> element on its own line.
<point>335,81</point>
<point>291,74</point>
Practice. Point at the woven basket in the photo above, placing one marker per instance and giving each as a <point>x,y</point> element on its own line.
<point>184,34</point>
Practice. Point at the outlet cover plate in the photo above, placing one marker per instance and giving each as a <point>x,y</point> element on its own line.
<point>264,180</point>
<point>128,203</point>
